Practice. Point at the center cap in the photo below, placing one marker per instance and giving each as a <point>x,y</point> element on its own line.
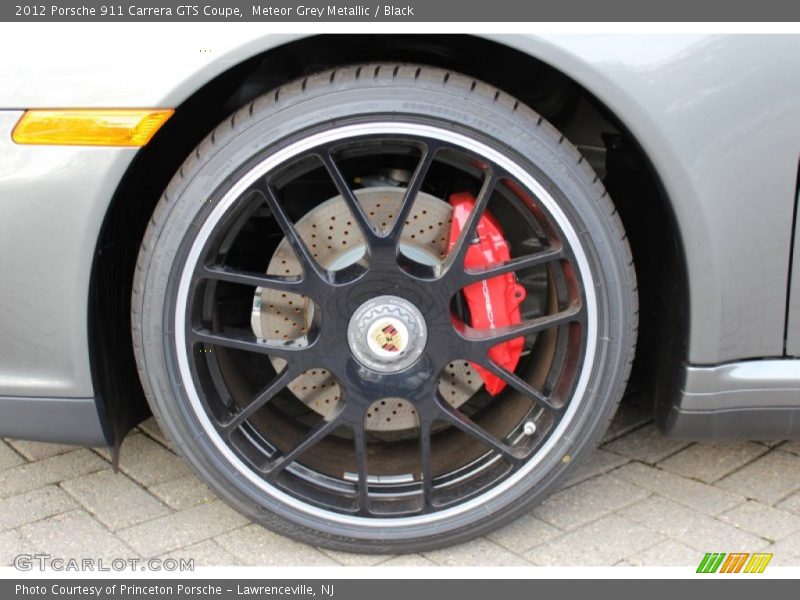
<point>387,334</point>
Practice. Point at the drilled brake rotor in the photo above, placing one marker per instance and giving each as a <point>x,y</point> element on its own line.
<point>336,242</point>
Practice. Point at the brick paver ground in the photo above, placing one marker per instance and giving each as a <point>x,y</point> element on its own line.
<point>640,499</point>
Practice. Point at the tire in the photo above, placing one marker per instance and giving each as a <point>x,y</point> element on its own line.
<point>224,207</point>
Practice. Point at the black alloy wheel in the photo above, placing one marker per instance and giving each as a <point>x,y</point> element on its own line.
<point>302,327</point>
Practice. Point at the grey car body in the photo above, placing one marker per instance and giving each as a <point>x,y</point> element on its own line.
<point>712,121</point>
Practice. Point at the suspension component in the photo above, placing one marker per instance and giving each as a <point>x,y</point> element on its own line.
<point>493,303</point>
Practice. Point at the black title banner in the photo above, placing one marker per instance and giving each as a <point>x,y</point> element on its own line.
<point>402,11</point>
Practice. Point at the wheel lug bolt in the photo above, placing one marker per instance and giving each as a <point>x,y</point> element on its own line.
<point>529,428</point>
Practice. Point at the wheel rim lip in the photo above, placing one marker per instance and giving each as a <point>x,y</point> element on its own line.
<point>345,132</point>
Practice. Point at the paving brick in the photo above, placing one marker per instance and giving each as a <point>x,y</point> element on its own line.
<point>350,559</point>
<point>54,469</point>
<point>148,462</point>
<point>603,542</point>
<point>8,457</point>
<point>646,444</point>
<point>114,499</point>
<point>523,534</point>
<point>668,553</point>
<point>39,450</point>
<point>711,462</point>
<point>700,496</point>
<point>771,443</point>
<point>75,535</point>
<point>762,520</point>
<point>790,504</point>
<point>478,553</point>
<point>588,501</point>
<point>596,463</point>
<point>256,546</point>
<point>151,428</point>
<point>32,506</point>
<point>769,479</point>
<point>608,507</point>
<point>205,554</point>
<point>628,417</point>
<point>693,529</point>
<point>183,493</point>
<point>786,552</point>
<point>409,560</point>
<point>181,529</point>
<point>12,544</point>
<point>711,534</point>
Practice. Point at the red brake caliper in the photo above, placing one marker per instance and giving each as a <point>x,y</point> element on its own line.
<point>493,303</point>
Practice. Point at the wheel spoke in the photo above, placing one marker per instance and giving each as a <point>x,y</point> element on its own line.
<point>410,195</point>
<point>367,229</point>
<point>522,386</point>
<point>247,342</point>
<point>360,438</point>
<point>486,338</point>
<point>516,264</point>
<point>468,426</point>
<point>425,460</point>
<point>317,433</point>
<point>455,258</point>
<point>304,255</point>
<point>266,394</point>
<point>281,284</point>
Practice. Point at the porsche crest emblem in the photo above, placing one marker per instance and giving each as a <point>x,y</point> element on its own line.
<point>388,338</point>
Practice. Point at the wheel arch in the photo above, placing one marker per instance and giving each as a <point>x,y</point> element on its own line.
<point>558,86</point>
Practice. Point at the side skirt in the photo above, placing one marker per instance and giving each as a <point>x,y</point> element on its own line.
<point>58,420</point>
<point>755,399</point>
